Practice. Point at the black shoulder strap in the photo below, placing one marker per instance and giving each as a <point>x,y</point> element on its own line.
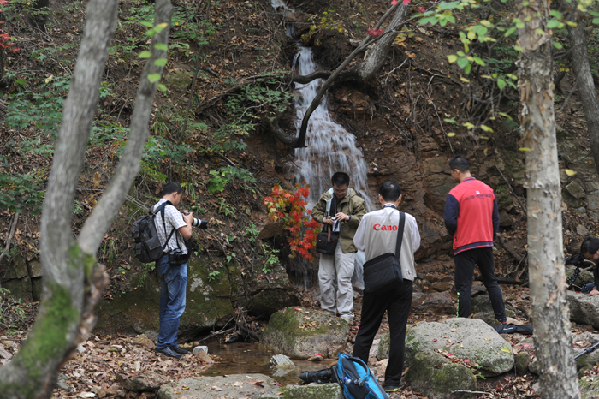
<point>402,223</point>
<point>164,204</point>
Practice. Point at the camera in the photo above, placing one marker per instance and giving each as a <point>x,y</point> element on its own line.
<point>320,377</point>
<point>177,257</point>
<point>576,260</point>
<point>199,223</point>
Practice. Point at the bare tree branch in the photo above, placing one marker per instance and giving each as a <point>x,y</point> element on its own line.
<point>108,207</point>
<point>365,70</point>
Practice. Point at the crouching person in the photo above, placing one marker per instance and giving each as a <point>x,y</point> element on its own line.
<point>375,238</point>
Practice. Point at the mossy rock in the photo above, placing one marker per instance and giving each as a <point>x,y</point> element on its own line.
<point>436,377</point>
<point>179,79</point>
<point>312,391</point>
<point>20,288</point>
<point>301,334</point>
<point>137,310</point>
<point>521,362</point>
<point>588,387</point>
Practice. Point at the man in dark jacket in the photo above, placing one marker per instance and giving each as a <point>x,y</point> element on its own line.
<point>471,215</point>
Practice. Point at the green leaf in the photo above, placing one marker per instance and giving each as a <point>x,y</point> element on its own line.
<point>467,69</point>
<point>572,24</point>
<point>518,48</point>
<point>147,24</point>
<point>154,77</point>
<point>160,62</point>
<point>596,21</point>
<point>452,58</point>
<point>478,61</point>
<point>524,149</point>
<point>462,62</point>
<point>501,83</point>
<point>486,128</point>
<point>161,46</point>
<point>162,87</point>
<point>449,120</point>
<point>557,45</point>
<point>510,31</point>
<point>159,28</point>
<point>554,24</point>
<point>450,134</point>
<point>145,54</point>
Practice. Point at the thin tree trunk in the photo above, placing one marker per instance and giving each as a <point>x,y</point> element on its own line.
<point>552,335</point>
<point>73,283</point>
<point>584,79</point>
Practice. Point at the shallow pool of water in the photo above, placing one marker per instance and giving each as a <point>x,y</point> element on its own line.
<point>247,357</point>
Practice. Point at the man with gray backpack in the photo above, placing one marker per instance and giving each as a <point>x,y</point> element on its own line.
<point>381,233</point>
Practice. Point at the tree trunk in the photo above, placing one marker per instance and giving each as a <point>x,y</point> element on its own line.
<point>584,79</point>
<point>552,335</point>
<point>73,283</point>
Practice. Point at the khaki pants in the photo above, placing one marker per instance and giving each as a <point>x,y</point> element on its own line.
<point>336,271</point>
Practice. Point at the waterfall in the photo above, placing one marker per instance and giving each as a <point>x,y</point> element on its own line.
<point>329,147</point>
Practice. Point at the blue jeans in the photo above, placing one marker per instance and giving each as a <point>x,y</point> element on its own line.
<point>173,296</point>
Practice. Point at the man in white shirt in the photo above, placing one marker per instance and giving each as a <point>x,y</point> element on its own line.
<point>172,223</point>
<point>377,235</point>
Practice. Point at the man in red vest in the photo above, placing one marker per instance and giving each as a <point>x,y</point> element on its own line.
<point>472,217</point>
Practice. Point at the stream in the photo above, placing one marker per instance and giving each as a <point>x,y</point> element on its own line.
<point>251,357</point>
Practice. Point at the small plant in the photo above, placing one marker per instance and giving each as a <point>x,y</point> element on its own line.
<point>213,275</point>
<point>220,178</point>
<point>252,232</point>
<point>270,258</point>
<point>289,208</point>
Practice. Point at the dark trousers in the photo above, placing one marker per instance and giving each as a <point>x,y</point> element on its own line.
<point>397,303</point>
<point>464,270</point>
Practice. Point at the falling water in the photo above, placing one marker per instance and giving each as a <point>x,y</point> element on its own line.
<point>329,147</point>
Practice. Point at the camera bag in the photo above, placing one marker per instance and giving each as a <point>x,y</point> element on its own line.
<point>383,273</point>
<point>177,257</point>
<point>356,379</point>
<point>326,242</point>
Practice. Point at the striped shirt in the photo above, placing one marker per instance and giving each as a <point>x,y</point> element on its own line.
<point>173,220</point>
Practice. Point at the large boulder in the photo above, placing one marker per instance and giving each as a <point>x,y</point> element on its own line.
<point>231,386</point>
<point>311,391</point>
<point>301,334</point>
<point>467,339</point>
<point>436,377</point>
<point>584,309</point>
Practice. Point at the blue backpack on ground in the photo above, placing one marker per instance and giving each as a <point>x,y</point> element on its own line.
<point>356,379</point>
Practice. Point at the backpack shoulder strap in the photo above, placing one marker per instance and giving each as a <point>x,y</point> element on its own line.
<point>402,224</point>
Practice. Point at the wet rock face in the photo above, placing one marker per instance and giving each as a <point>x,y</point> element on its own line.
<point>301,334</point>
<point>209,299</point>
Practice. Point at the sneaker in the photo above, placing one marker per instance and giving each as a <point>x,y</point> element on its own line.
<point>348,317</point>
<point>179,350</point>
<point>392,388</point>
<point>168,352</point>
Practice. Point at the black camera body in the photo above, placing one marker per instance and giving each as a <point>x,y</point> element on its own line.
<point>177,257</point>
<point>199,223</point>
<point>575,260</point>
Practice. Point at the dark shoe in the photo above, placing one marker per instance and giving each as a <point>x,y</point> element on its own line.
<point>179,350</point>
<point>168,352</point>
<point>392,388</point>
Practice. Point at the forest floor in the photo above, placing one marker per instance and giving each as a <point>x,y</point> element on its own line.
<point>248,42</point>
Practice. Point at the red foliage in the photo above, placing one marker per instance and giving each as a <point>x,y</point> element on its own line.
<point>375,32</point>
<point>421,9</point>
<point>5,42</point>
<point>290,208</point>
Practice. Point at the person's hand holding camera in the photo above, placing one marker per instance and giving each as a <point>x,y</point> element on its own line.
<point>188,217</point>
<point>328,220</point>
<point>340,217</point>
<point>594,291</point>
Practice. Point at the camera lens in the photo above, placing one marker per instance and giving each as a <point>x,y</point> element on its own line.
<point>200,223</point>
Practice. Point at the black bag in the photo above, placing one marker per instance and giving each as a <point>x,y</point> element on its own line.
<point>524,329</point>
<point>147,247</point>
<point>326,242</point>
<point>383,273</point>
